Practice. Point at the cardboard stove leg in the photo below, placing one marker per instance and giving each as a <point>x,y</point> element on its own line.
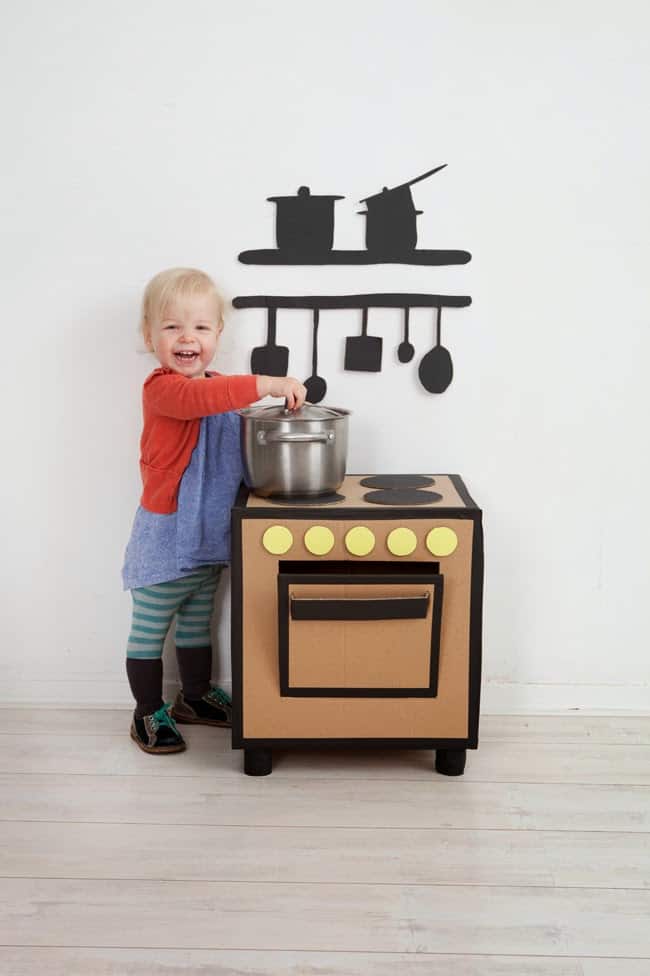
<point>451,762</point>
<point>258,762</point>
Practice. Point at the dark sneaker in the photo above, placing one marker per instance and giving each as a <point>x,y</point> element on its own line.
<point>157,732</point>
<point>215,708</point>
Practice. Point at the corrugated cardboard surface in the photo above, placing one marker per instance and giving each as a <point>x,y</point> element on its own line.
<point>360,653</point>
<point>353,493</point>
<point>266,714</point>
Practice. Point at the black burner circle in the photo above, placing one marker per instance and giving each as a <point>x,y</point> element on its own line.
<point>397,481</point>
<point>402,496</point>
<point>298,500</point>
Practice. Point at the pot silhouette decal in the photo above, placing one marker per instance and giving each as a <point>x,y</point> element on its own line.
<point>391,219</point>
<point>304,223</point>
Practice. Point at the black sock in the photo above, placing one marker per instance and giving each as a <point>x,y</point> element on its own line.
<point>145,678</point>
<point>194,668</point>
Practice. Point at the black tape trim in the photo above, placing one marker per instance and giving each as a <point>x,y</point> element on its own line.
<point>398,608</point>
<point>286,580</point>
<point>470,742</point>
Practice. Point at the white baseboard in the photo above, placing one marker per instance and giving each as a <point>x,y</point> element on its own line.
<point>81,693</point>
<point>508,698</point>
<point>497,698</point>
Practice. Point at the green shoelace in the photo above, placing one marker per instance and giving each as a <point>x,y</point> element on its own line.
<point>162,717</point>
<point>219,696</point>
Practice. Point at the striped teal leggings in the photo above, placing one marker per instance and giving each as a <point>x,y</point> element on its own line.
<point>190,598</point>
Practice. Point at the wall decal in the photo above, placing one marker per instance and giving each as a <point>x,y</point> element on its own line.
<point>304,223</point>
<point>378,300</point>
<point>428,257</point>
<point>305,231</point>
<point>270,360</point>
<point>362,352</point>
<point>316,385</point>
<point>405,350</point>
<point>436,370</point>
<point>391,219</point>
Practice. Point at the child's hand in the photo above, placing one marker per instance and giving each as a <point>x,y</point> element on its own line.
<point>291,389</point>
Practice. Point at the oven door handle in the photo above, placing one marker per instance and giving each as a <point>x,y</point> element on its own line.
<point>360,608</point>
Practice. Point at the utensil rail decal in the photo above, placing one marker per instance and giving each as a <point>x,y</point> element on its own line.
<point>378,300</point>
<point>363,353</point>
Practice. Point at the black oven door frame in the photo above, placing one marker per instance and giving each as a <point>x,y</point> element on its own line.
<point>362,609</point>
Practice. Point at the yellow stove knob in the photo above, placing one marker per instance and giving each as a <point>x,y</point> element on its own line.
<point>359,541</point>
<point>277,540</point>
<point>319,540</point>
<point>442,541</point>
<point>402,541</point>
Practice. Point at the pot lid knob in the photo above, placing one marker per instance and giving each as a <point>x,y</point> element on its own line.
<point>304,191</point>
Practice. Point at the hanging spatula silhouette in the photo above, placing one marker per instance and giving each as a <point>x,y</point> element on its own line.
<point>270,360</point>
<point>363,352</point>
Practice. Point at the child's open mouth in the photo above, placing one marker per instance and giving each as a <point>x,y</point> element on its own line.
<point>186,358</point>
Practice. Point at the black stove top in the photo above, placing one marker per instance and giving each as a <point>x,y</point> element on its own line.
<point>400,492</point>
<point>300,500</point>
<point>402,496</point>
<point>390,481</point>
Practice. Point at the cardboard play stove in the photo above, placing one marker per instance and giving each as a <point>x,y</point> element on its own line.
<point>356,619</point>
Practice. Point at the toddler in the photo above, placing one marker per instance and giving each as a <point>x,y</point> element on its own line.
<point>191,467</point>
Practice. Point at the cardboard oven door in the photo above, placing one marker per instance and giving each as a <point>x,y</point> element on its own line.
<point>359,636</point>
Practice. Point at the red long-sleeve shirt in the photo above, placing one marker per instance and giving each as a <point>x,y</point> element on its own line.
<point>172,407</point>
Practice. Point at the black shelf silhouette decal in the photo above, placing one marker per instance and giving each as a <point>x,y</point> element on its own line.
<point>430,258</point>
<point>363,352</point>
<point>305,231</point>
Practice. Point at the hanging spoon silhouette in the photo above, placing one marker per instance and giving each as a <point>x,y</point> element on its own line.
<point>405,350</point>
<point>316,385</point>
<point>436,369</point>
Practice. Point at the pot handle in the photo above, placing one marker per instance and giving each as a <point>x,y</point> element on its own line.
<point>322,437</point>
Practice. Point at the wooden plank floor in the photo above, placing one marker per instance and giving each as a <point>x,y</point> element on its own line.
<point>535,863</point>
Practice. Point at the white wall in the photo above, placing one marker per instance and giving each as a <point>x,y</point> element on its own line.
<point>140,135</point>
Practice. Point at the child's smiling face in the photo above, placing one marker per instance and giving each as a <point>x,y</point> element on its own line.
<point>184,337</point>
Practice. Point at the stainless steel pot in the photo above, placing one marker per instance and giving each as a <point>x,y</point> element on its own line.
<point>287,453</point>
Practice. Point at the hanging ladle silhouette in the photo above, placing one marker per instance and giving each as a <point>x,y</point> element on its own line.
<point>436,369</point>
<point>316,385</point>
<point>405,350</point>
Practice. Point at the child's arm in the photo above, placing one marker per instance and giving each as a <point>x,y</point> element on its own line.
<point>173,395</point>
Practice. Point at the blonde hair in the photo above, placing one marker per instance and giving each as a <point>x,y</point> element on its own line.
<point>174,283</point>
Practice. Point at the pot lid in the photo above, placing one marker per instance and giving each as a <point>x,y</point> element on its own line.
<point>309,411</point>
<point>406,185</point>
<point>304,193</point>
<point>397,199</point>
